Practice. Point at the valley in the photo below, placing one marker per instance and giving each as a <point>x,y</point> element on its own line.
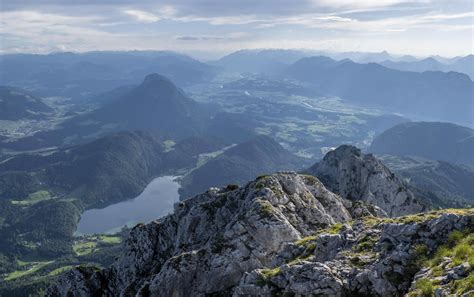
<point>290,137</point>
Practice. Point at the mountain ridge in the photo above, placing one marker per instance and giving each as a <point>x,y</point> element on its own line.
<point>17,103</point>
<point>432,140</point>
<point>283,233</point>
<point>376,86</point>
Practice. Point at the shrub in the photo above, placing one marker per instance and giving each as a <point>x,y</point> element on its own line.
<point>464,285</point>
<point>455,237</point>
<point>425,287</point>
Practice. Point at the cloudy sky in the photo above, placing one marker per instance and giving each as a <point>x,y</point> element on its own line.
<point>205,28</point>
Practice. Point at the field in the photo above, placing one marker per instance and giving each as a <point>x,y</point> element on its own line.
<point>91,244</point>
<point>307,126</point>
<point>34,198</point>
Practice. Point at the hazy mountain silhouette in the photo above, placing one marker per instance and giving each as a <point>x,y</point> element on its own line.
<point>16,103</point>
<point>463,65</point>
<point>260,61</point>
<point>436,95</point>
<point>431,140</point>
<point>82,75</point>
<point>441,183</point>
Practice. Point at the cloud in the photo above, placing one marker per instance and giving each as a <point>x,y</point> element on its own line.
<point>142,16</point>
<point>229,36</point>
<point>365,4</point>
<point>40,26</point>
<point>195,38</point>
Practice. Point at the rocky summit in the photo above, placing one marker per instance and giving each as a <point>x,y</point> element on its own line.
<point>280,234</point>
<point>357,176</point>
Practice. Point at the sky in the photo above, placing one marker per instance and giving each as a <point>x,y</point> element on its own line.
<point>212,28</point>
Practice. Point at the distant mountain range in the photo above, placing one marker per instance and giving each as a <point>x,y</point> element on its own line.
<point>260,61</point>
<point>82,75</point>
<point>270,61</point>
<point>16,103</point>
<point>248,230</point>
<point>438,95</point>
<point>463,65</point>
<point>431,140</point>
<point>156,105</point>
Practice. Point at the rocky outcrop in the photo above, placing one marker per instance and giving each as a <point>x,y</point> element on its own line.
<point>366,258</point>
<point>356,176</point>
<point>211,240</point>
<point>283,233</point>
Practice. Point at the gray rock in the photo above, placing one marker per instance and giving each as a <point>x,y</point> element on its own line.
<point>327,246</point>
<point>356,176</point>
<point>248,241</point>
<point>211,240</point>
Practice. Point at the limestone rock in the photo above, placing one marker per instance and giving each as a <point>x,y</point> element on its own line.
<point>356,176</point>
<point>210,240</point>
<point>283,233</point>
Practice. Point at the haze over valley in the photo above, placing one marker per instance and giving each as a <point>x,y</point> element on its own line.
<point>222,163</point>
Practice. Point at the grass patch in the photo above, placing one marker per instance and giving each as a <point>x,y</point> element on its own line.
<point>60,270</point>
<point>304,241</point>
<point>269,273</point>
<point>458,251</point>
<point>91,244</point>
<point>84,248</point>
<point>110,239</point>
<point>365,244</point>
<point>32,268</point>
<point>425,287</point>
<point>168,145</point>
<point>335,229</point>
<point>464,285</point>
<point>266,208</point>
<point>266,275</point>
<point>417,218</point>
<point>34,198</point>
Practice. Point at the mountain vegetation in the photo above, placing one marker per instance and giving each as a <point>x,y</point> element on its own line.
<point>61,185</point>
<point>240,164</point>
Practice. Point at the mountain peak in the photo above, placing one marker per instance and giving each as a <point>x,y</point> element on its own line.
<point>343,151</point>
<point>158,85</point>
<point>357,176</point>
<point>155,78</point>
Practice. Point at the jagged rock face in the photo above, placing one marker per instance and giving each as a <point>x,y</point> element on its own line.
<point>210,240</point>
<point>362,259</point>
<point>284,233</point>
<point>356,176</point>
